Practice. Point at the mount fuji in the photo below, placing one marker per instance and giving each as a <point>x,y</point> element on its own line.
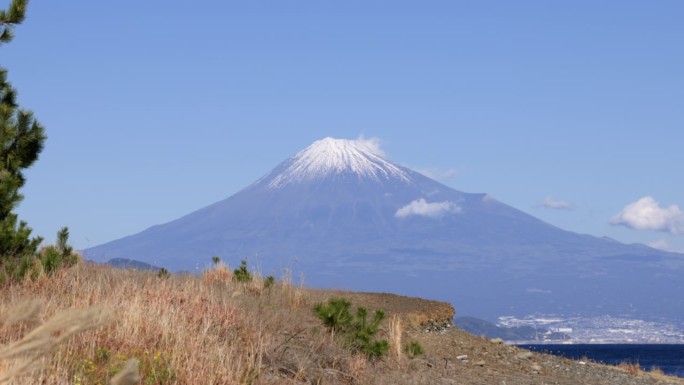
<point>343,215</point>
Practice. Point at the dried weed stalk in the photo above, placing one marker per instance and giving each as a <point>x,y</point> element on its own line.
<point>30,350</point>
<point>395,332</point>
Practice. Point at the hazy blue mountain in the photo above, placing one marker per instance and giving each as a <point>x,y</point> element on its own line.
<point>123,263</point>
<point>483,328</point>
<point>346,217</point>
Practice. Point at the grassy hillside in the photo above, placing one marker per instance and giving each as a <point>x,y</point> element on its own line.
<point>83,325</point>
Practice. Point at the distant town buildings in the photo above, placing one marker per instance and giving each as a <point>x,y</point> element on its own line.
<point>597,330</point>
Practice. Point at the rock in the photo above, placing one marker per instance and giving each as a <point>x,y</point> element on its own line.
<point>497,341</point>
<point>462,357</point>
<point>524,355</point>
<point>536,368</point>
<point>437,326</point>
<point>479,363</point>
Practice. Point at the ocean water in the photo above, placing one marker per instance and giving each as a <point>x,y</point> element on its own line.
<point>669,358</point>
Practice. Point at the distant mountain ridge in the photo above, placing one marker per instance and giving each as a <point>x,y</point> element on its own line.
<point>518,333</point>
<point>345,216</point>
<point>123,263</point>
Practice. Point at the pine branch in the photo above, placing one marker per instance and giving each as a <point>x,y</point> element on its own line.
<point>14,15</point>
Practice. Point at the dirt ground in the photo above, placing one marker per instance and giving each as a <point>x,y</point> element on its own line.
<point>453,356</point>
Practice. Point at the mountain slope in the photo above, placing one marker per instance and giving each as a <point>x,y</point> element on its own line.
<point>347,217</point>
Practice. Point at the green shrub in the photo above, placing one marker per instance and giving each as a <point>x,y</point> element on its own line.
<point>54,257</point>
<point>335,314</point>
<point>216,260</point>
<point>51,259</point>
<point>241,274</point>
<point>163,273</point>
<point>413,349</point>
<point>269,282</point>
<point>355,329</point>
<point>46,261</point>
<point>363,334</point>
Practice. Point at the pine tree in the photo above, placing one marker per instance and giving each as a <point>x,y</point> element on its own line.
<point>21,141</point>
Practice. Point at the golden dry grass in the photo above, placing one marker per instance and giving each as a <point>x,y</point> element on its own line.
<point>659,375</point>
<point>633,369</point>
<point>395,333</point>
<point>181,330</point>
<point>28,352</point>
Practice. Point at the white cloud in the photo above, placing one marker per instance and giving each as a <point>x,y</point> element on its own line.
<point>660,244</point>
<point>538,291</point>
<point>663,244</point>
<point>646,214</point>
<point>431,210</point>
<point>556,204</point>
<point>438,174</point>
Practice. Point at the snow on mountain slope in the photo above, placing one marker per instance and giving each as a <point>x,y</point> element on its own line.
<point>331,156</point>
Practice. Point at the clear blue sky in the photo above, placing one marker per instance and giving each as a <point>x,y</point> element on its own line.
<point>157,108</point>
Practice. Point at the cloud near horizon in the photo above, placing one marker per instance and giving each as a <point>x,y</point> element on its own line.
<point>662,244</point>
<point>646,214</point>
<point>421,207</point>
<point>556,204</point>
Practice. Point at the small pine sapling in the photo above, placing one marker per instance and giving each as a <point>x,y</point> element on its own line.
<point>335,314</point>
<point>163,273</point>
<point>269,282</point>
<point>241,274</point>
<point>357,332</point>
<point>58,256</point>
<point>364,331</point>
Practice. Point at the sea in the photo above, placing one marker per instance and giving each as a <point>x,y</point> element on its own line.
<point>668,358</point>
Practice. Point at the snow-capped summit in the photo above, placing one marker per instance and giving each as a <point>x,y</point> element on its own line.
<point>330,156</point>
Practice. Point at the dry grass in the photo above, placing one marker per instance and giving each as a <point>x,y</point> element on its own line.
<point>659,375</point>
<point>128,375</point>
<point>180,330</point>
<point>634,369</point>
<point>631,368</point>
<point>395,333</point>
<point>219,274</point>
<point>35,340</point>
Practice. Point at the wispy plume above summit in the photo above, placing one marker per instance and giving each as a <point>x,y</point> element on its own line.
<point>327,157</point>
<point>374,144</point>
